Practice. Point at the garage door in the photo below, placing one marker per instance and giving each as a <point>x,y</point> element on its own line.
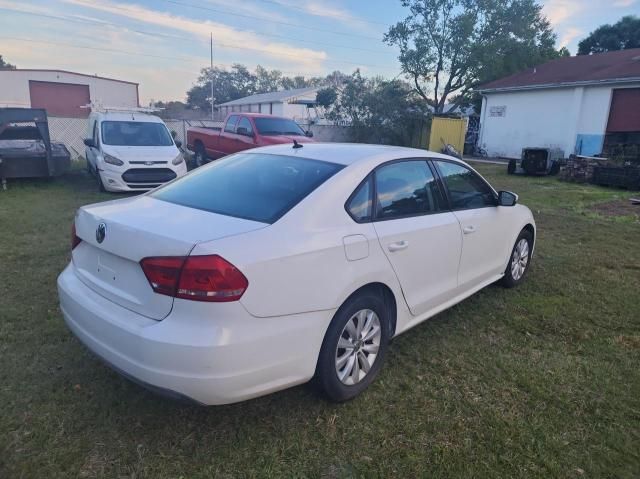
<point>625,111</point>
<point>60,99</point>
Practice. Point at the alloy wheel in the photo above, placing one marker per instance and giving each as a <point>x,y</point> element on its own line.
<point>520,259</point>
<point>358,347</point>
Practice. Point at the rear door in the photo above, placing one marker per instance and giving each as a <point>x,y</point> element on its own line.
<point>417,233</point>
<point>485,226</point>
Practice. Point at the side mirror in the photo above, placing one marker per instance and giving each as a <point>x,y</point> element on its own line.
<point>308,134</point>
<point>89,142</point>
<point>178,143</point>
<point>507,198</point>
<point>241,130</point>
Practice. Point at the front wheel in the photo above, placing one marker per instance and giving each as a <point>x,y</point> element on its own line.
<point>519,260</point>
<point>354,347</point>
<point>200,156</point>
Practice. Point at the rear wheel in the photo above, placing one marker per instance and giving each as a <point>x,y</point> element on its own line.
<point>519,260</point>
<point>354,347</point>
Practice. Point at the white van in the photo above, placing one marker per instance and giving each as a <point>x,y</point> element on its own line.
<point>131,151</point>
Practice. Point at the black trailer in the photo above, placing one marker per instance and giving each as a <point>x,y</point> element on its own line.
<point>26,150</point>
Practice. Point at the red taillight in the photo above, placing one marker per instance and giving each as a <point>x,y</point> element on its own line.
<point>75,240</point>
<point>199,278</point>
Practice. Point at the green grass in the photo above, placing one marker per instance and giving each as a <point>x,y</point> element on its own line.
<point>540,381</point>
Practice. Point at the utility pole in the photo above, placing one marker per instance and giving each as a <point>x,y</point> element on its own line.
<point>211,75</point>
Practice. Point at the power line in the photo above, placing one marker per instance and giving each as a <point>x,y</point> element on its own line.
<point>114,50</point>
<point>304,10</point>
<point>178,37</point>
<point>265,19</point>
<point>291,55</point>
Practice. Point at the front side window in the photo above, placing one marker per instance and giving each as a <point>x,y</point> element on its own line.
<point>230,127</point>
<point>135,133</point>
<point>466,189</point>
<point>246,124</point>
<point>406,188</point>
<point>253,186</point>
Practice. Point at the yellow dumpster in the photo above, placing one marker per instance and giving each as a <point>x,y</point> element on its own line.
<point>447,131</point>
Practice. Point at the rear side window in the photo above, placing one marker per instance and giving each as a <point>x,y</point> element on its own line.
<point>360,206</point>
<point>253,186</point>
<point>230,127</point>
<point>406,188</point>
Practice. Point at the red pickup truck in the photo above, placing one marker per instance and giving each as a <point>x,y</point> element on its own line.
<point>242,131</point>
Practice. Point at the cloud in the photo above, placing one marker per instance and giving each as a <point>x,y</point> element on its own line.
<point>569,35</point>
<point>623,3</point>
<point>557,11</point>
<point>224,36</point>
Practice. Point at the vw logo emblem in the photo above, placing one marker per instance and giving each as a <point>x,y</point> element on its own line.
<point>101,232</point>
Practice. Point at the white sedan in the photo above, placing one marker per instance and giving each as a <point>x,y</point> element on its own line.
<point>270,267</point>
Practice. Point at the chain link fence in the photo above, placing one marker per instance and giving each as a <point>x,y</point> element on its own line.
<point>72,131</point>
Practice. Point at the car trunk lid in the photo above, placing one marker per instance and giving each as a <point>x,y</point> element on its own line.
<point>118,234</point>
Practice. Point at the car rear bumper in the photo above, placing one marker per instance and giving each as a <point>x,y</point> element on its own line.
<point>210,353</point>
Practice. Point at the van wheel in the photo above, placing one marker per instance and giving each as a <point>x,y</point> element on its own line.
<point>200,156</point>
<point>101,187</point>
<point>354,347</point>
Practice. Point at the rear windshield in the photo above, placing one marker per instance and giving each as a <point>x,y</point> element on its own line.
<point>253,186</point>
<point>277,126</point>
<point>135,133</point>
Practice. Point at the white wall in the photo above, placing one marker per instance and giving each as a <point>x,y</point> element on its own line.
<point>531,119</point>
<point>14,87</point>
<point>573,119</point>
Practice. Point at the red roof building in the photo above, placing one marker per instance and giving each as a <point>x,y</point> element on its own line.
<point>577,104</point>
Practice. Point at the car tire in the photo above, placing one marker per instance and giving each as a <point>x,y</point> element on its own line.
<point>200,157</point>
<point>511,167</point>
<point>519,260</point>
<point>354,324</point>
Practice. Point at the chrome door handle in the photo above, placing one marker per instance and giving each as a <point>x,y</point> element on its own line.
<point>469,229</point>
<point>400,245</point>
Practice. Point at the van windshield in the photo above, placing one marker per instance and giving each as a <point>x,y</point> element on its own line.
<point>253,186</point>
<point>135,133</point>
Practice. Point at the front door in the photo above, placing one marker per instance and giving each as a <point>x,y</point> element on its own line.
<point>484,224</point>
<point>421,239</point>
<point>244,135</point>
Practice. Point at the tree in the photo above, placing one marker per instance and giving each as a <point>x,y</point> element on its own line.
<point>326,97</point>
<point>378,110</point>
<point>4,65</point>
<point>449,46</point>
<point>620,36</point>
<point>238,82</point>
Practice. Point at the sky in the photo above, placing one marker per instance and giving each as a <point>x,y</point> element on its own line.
<point>163,44</point>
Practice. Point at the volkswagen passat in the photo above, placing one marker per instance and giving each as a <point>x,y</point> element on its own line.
<point>267,268</point>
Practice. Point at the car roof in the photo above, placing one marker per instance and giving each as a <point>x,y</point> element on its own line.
<point>350,153</point>
<point>122,116</point>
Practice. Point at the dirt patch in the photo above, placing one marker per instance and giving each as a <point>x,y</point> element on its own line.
<point>617,208</point>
